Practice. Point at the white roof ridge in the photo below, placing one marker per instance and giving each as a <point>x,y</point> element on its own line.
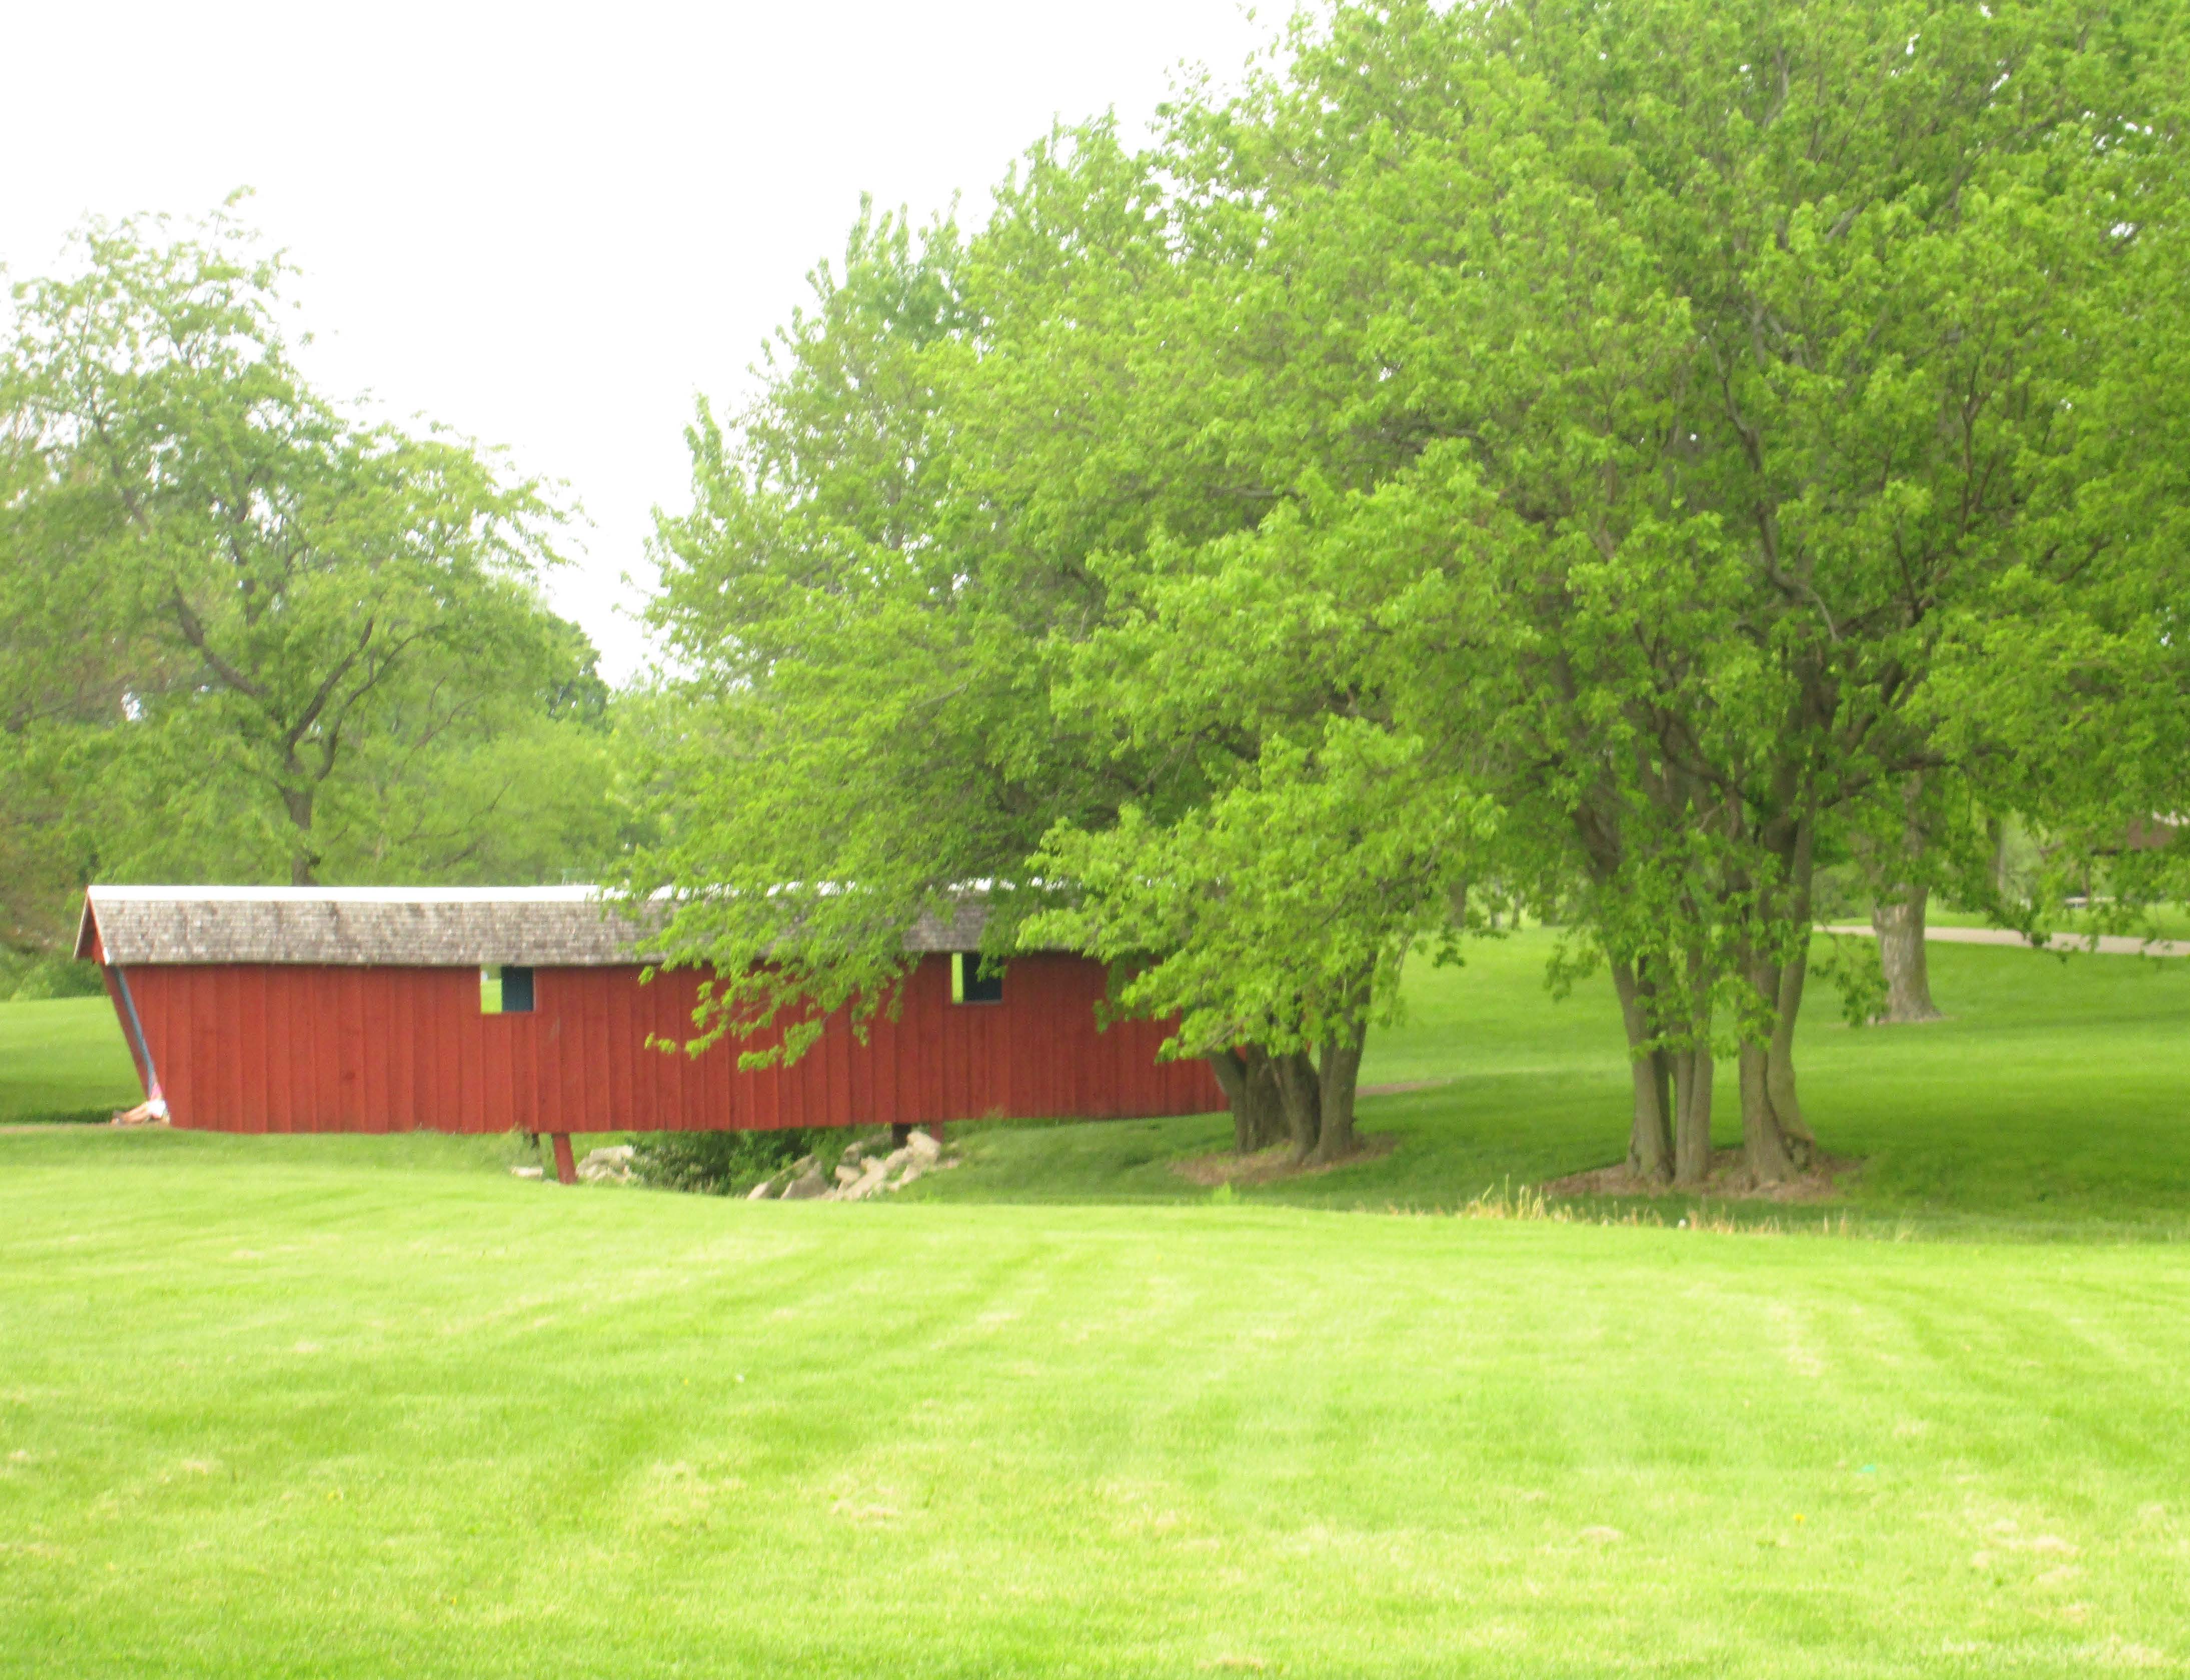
<point>156,894</point>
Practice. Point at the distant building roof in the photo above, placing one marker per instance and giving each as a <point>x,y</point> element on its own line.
<point>398,927</point>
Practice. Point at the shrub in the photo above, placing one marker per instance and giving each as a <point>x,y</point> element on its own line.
<point>55,976</point>
<point>720,1163</point>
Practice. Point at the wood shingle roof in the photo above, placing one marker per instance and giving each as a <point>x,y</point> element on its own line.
<point>398,927</point>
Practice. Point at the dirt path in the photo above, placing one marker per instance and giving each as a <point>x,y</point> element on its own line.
<point>2107,945</point>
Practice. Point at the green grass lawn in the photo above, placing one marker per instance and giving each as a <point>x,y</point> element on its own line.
<point>2054,1100</point>
<point>63,1059</point>
<point>266,1410</point>
<point>370,1406</point>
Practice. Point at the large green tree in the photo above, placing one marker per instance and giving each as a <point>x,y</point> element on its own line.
<point>1714,376</point>
<point>316,643</point>
<point>1627,453</point>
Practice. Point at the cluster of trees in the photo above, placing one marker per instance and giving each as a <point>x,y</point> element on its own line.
<point>1614,460</point>
<point>246,635</point>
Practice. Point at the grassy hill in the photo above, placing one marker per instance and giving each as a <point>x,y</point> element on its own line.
<point>364,1406</point>
<point>2056,1097</point>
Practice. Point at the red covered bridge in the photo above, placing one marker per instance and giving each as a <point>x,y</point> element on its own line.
<point>363,1009</point>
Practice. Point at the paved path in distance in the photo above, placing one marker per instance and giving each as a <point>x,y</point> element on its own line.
<point>2107,945</point>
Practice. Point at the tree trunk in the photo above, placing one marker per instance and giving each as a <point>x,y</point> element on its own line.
<point>303,860</point>
<point>1692,1112</point>
<point>1649,1141</point>
<point>1778,1144</point>
<point>1340,1076</point>
<point>1900,924</point>
<point>1250,1079</point>
<point>1299,1089</point>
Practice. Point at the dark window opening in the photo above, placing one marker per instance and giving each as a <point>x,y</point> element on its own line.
<point>968,985</point>
<point>507,990</point>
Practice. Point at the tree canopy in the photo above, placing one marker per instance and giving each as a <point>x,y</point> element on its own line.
<point>1611,458</point>
<point>250,635</point>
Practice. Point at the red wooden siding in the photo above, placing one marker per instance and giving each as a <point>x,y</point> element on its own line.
<point>283,1047</point>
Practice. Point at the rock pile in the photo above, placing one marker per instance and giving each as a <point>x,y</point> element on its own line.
<point>864,1170</point>
<point>612,1166</point>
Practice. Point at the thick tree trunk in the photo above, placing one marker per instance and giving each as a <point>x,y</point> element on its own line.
<point>1692,1081</point>
<point>1649,1141</point>
<point>1340,1076</point>
<point>1300,1091</point>
<point>1777,1143</point>
<point>1692,1112</point>
<point>1898,921</point>
<point>1250,1080</point>
<point>1231,1071</point>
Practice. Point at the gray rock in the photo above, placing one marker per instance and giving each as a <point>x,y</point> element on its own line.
<point>525,1173</point>
<point>609,1165</point>
<point>806,1186</point>
<point>871,1182</point>
<point>617,1155</point>
<point>848,1174</point>
<point>923,1149</point>
<point>762,1191</point>
<point>895,1159</point>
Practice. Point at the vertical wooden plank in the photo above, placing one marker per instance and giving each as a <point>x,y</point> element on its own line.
<point>882,1067</point>
<point>836,1072</point>
<point>246,1049</point>
<point>935,1008</point>
<point>408,995</point>
<point>310,1053</point>
<point>428,999</point>
<point>372,990</point>
<point>350,1025</point>
<point>389,1088</point>
<point>635,1025</point>
<point>664,1077</point>
<point>463,1044</point>
<point>859,1074</point>
<point>494,1038</point>
<point>1032,998</point>
<point>218,1028</point>
<point>625,1047</point>
<point>295,1013</point>
<point>602,1051</point>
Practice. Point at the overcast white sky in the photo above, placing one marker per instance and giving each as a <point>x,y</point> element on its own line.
<point>549,226</point>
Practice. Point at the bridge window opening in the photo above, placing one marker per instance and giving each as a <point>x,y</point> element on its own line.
<point>506,990</point>
<point>968,985</point>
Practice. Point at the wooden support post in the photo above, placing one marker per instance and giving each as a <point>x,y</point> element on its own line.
<point>900,1135</point>
<point>566,1169</point>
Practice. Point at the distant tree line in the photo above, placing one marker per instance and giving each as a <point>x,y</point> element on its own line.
<point>1623,462</point>
<point>246,635</point>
